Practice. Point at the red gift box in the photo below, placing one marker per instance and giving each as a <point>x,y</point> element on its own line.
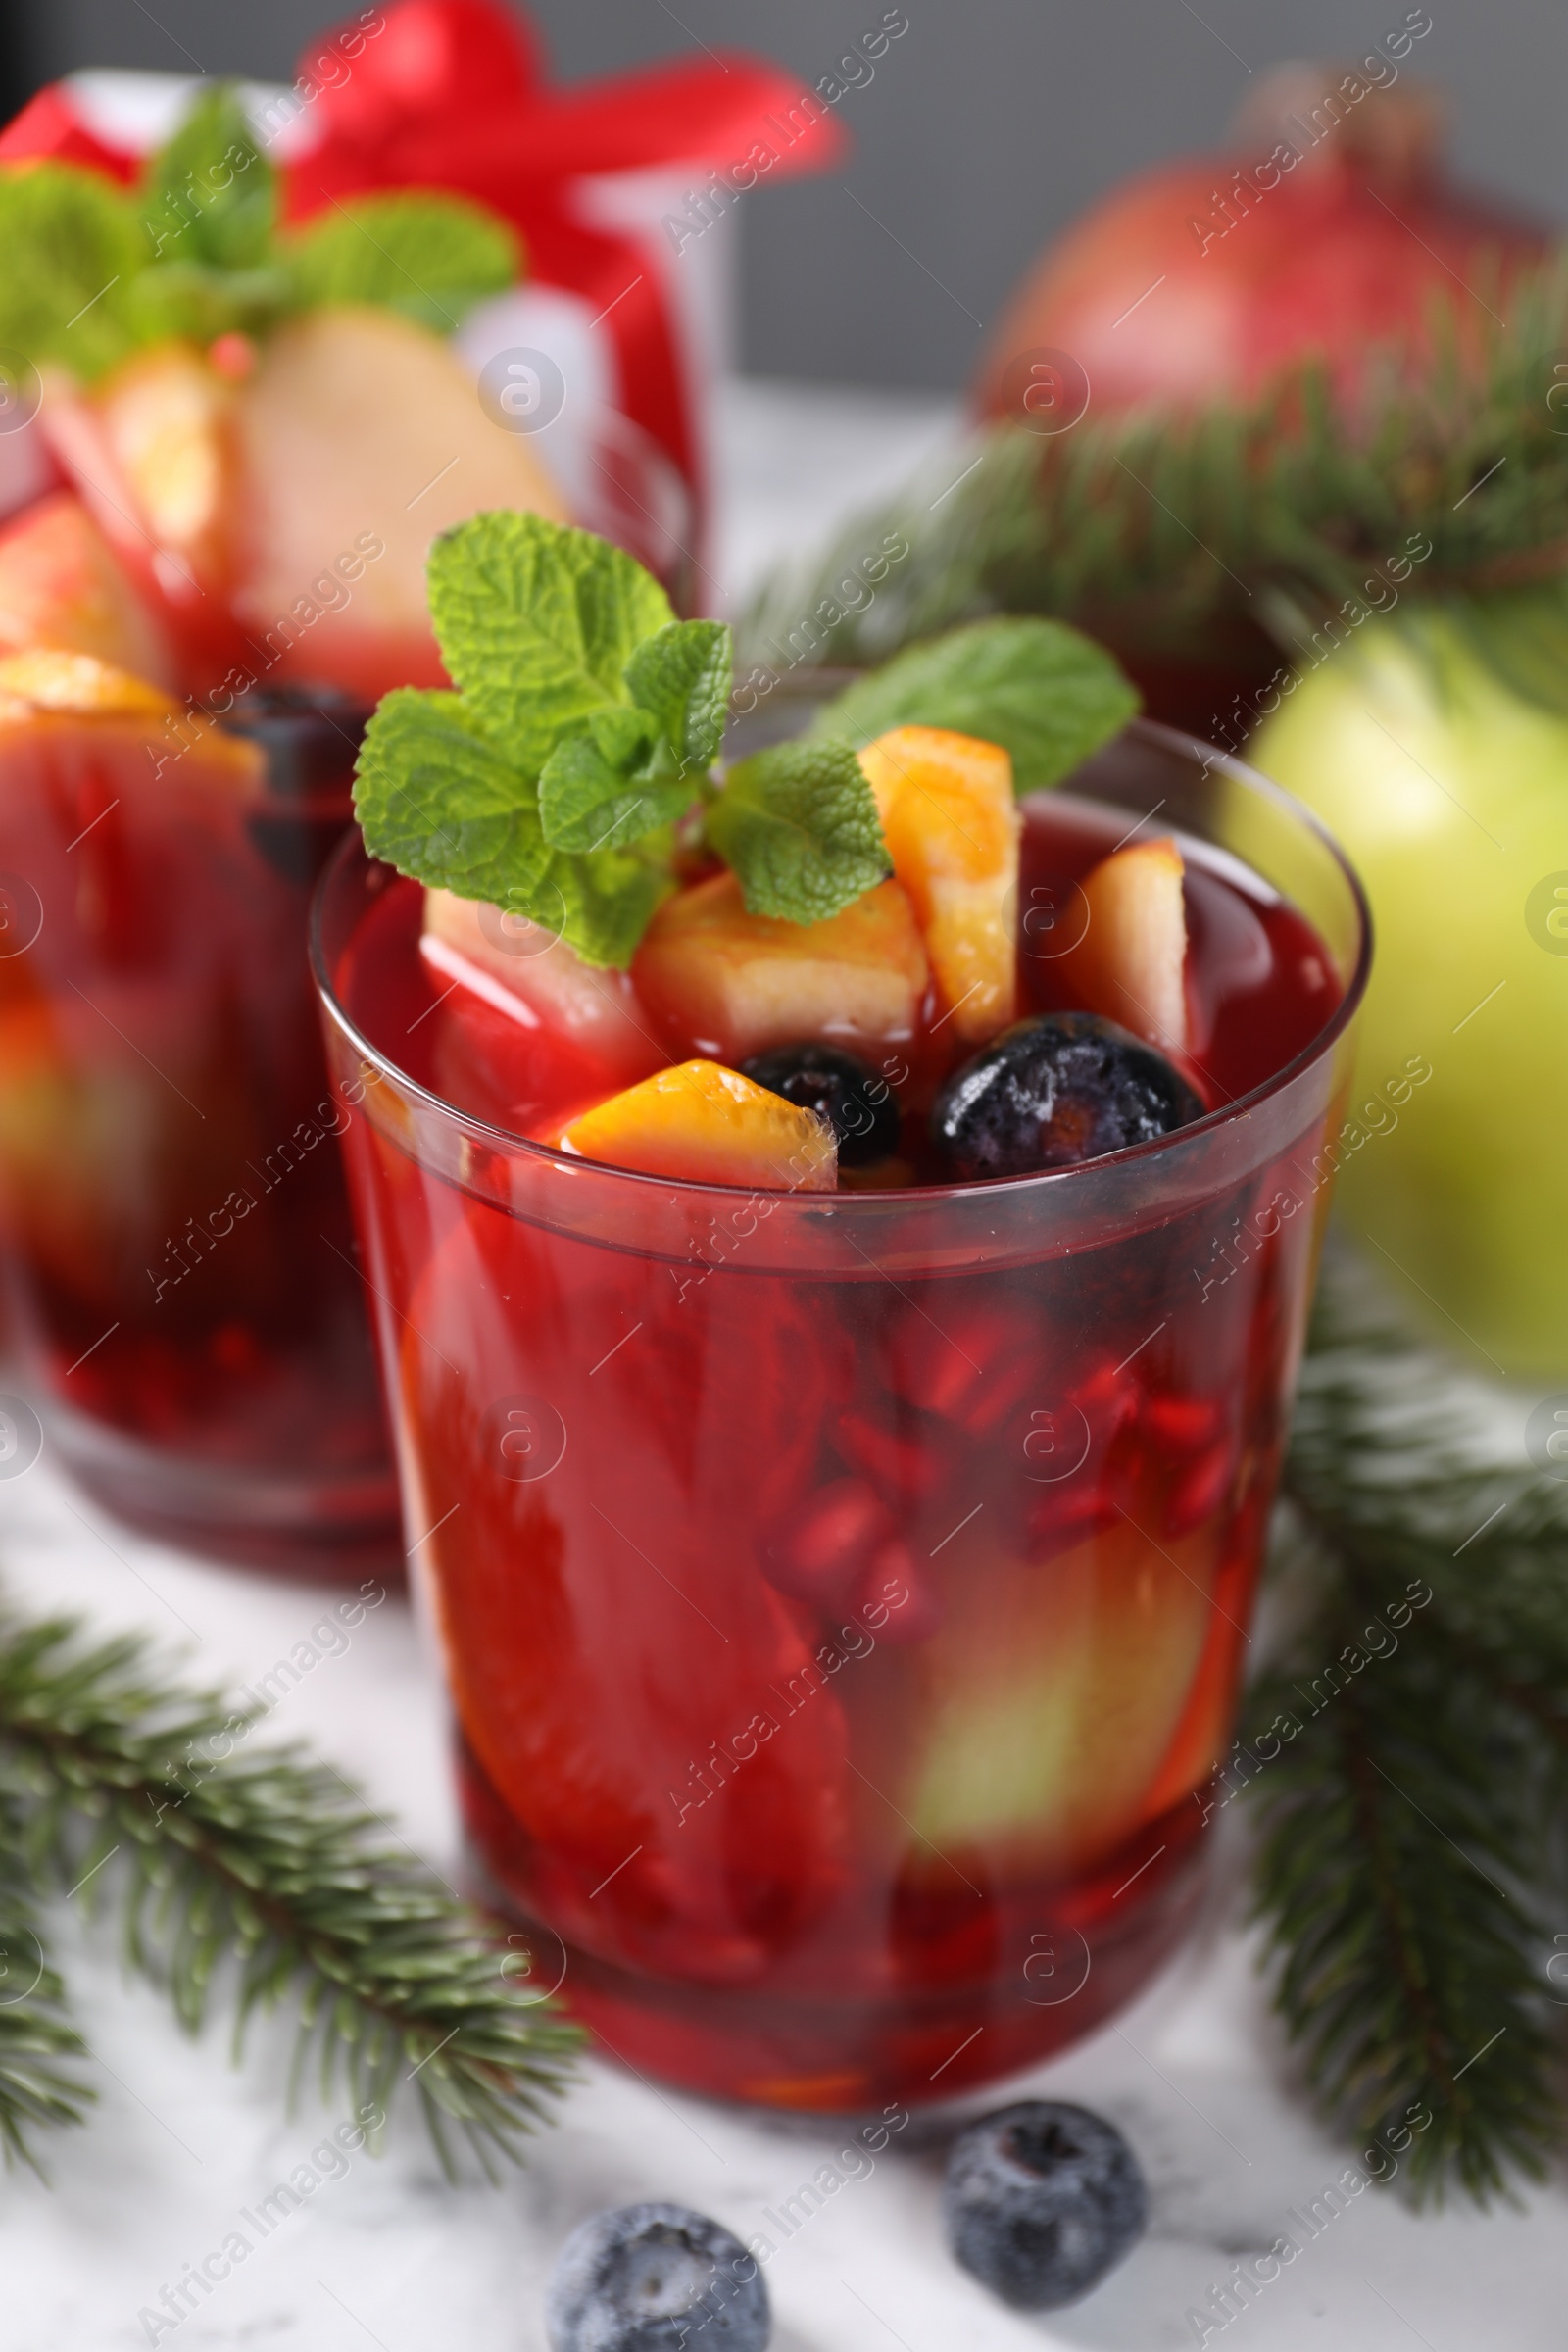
<point>450,94</point>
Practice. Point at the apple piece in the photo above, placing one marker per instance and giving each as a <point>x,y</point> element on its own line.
<point>1056,1692</point>
<point>573,1732</point>
<point>359,437</point>
<point>723,982</point>
<point>527,973</point>
<point>1130,963</point>
<point>194,611</point>
<point>63,1155</point>
<point>60,587</point>
<point>952,828</point>
<point>704,1124</point>
<point>166,419</point>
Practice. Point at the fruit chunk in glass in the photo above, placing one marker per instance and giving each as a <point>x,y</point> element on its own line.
<point>843,1594</point>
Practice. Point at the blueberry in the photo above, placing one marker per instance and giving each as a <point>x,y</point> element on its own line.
<point>1050,1092</point>
<point>1041,2200</point>
<point>655,2278</point>
<point>310,735</point>
<point>863,1107</point>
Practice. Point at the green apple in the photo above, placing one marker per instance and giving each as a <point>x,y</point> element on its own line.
<point>1433,745</point>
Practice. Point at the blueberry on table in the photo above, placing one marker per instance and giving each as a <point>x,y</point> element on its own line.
<point>655,2278</point>
<point>1040,2202</point>
<point>862,1106</point>
<point>1053,1091</point>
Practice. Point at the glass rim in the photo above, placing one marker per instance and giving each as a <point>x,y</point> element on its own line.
<point>1151,731</point>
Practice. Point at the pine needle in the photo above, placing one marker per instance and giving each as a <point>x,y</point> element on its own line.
<point>254,1874</point>
<point>39,2087</point>
<point>1413,1782</point>
<point>1191,539</point>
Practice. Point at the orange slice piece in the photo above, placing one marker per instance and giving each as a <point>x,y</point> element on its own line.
<point>1131,962</point>
<point>70,724</point>
<point>708,1125</point>
<point>726,983</point>
<point>951,827</point>
<point>49,680</point>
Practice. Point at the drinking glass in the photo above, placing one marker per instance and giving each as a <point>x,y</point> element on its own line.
<point>174,1237</point>
<point>842,1598</point>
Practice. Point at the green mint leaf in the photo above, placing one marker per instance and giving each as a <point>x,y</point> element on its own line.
<point>600,904</point>
<point>436,800</point>
<point>210,196</point>
<point>616,781</point>
<point>432,257</point>
<point>536,623</point>
<point>196,301</point>
<point>799,826</point>
<point>623,737</point>
<point>683,675</point>
<point>1047,694</point>
<point>72,244</point>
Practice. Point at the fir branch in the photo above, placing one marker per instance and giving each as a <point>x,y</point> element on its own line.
<point>39,2087</point>
<point>1184,537</point>
<point>1412,1822</point>
<point>134,1788</point>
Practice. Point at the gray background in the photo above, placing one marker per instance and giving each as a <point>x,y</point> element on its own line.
<point>987,126</point>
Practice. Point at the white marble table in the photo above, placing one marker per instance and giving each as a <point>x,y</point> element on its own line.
<point>388,2255</point>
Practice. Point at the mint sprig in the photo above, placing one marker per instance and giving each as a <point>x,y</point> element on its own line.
<point>93,271</point>
<point>586,719</point>
<point>583,727</point>
<point>1047,693</point>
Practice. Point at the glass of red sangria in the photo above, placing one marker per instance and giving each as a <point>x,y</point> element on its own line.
<point>174,1230</point>
<point>238,453</point>
<point>840,1370</point>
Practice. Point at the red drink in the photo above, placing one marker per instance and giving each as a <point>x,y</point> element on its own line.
<point>843,1596</point>
<point>177,1248</point>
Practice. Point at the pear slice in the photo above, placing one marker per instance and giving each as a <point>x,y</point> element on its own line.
<point>359,437</point>
<point>1130,963</point>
